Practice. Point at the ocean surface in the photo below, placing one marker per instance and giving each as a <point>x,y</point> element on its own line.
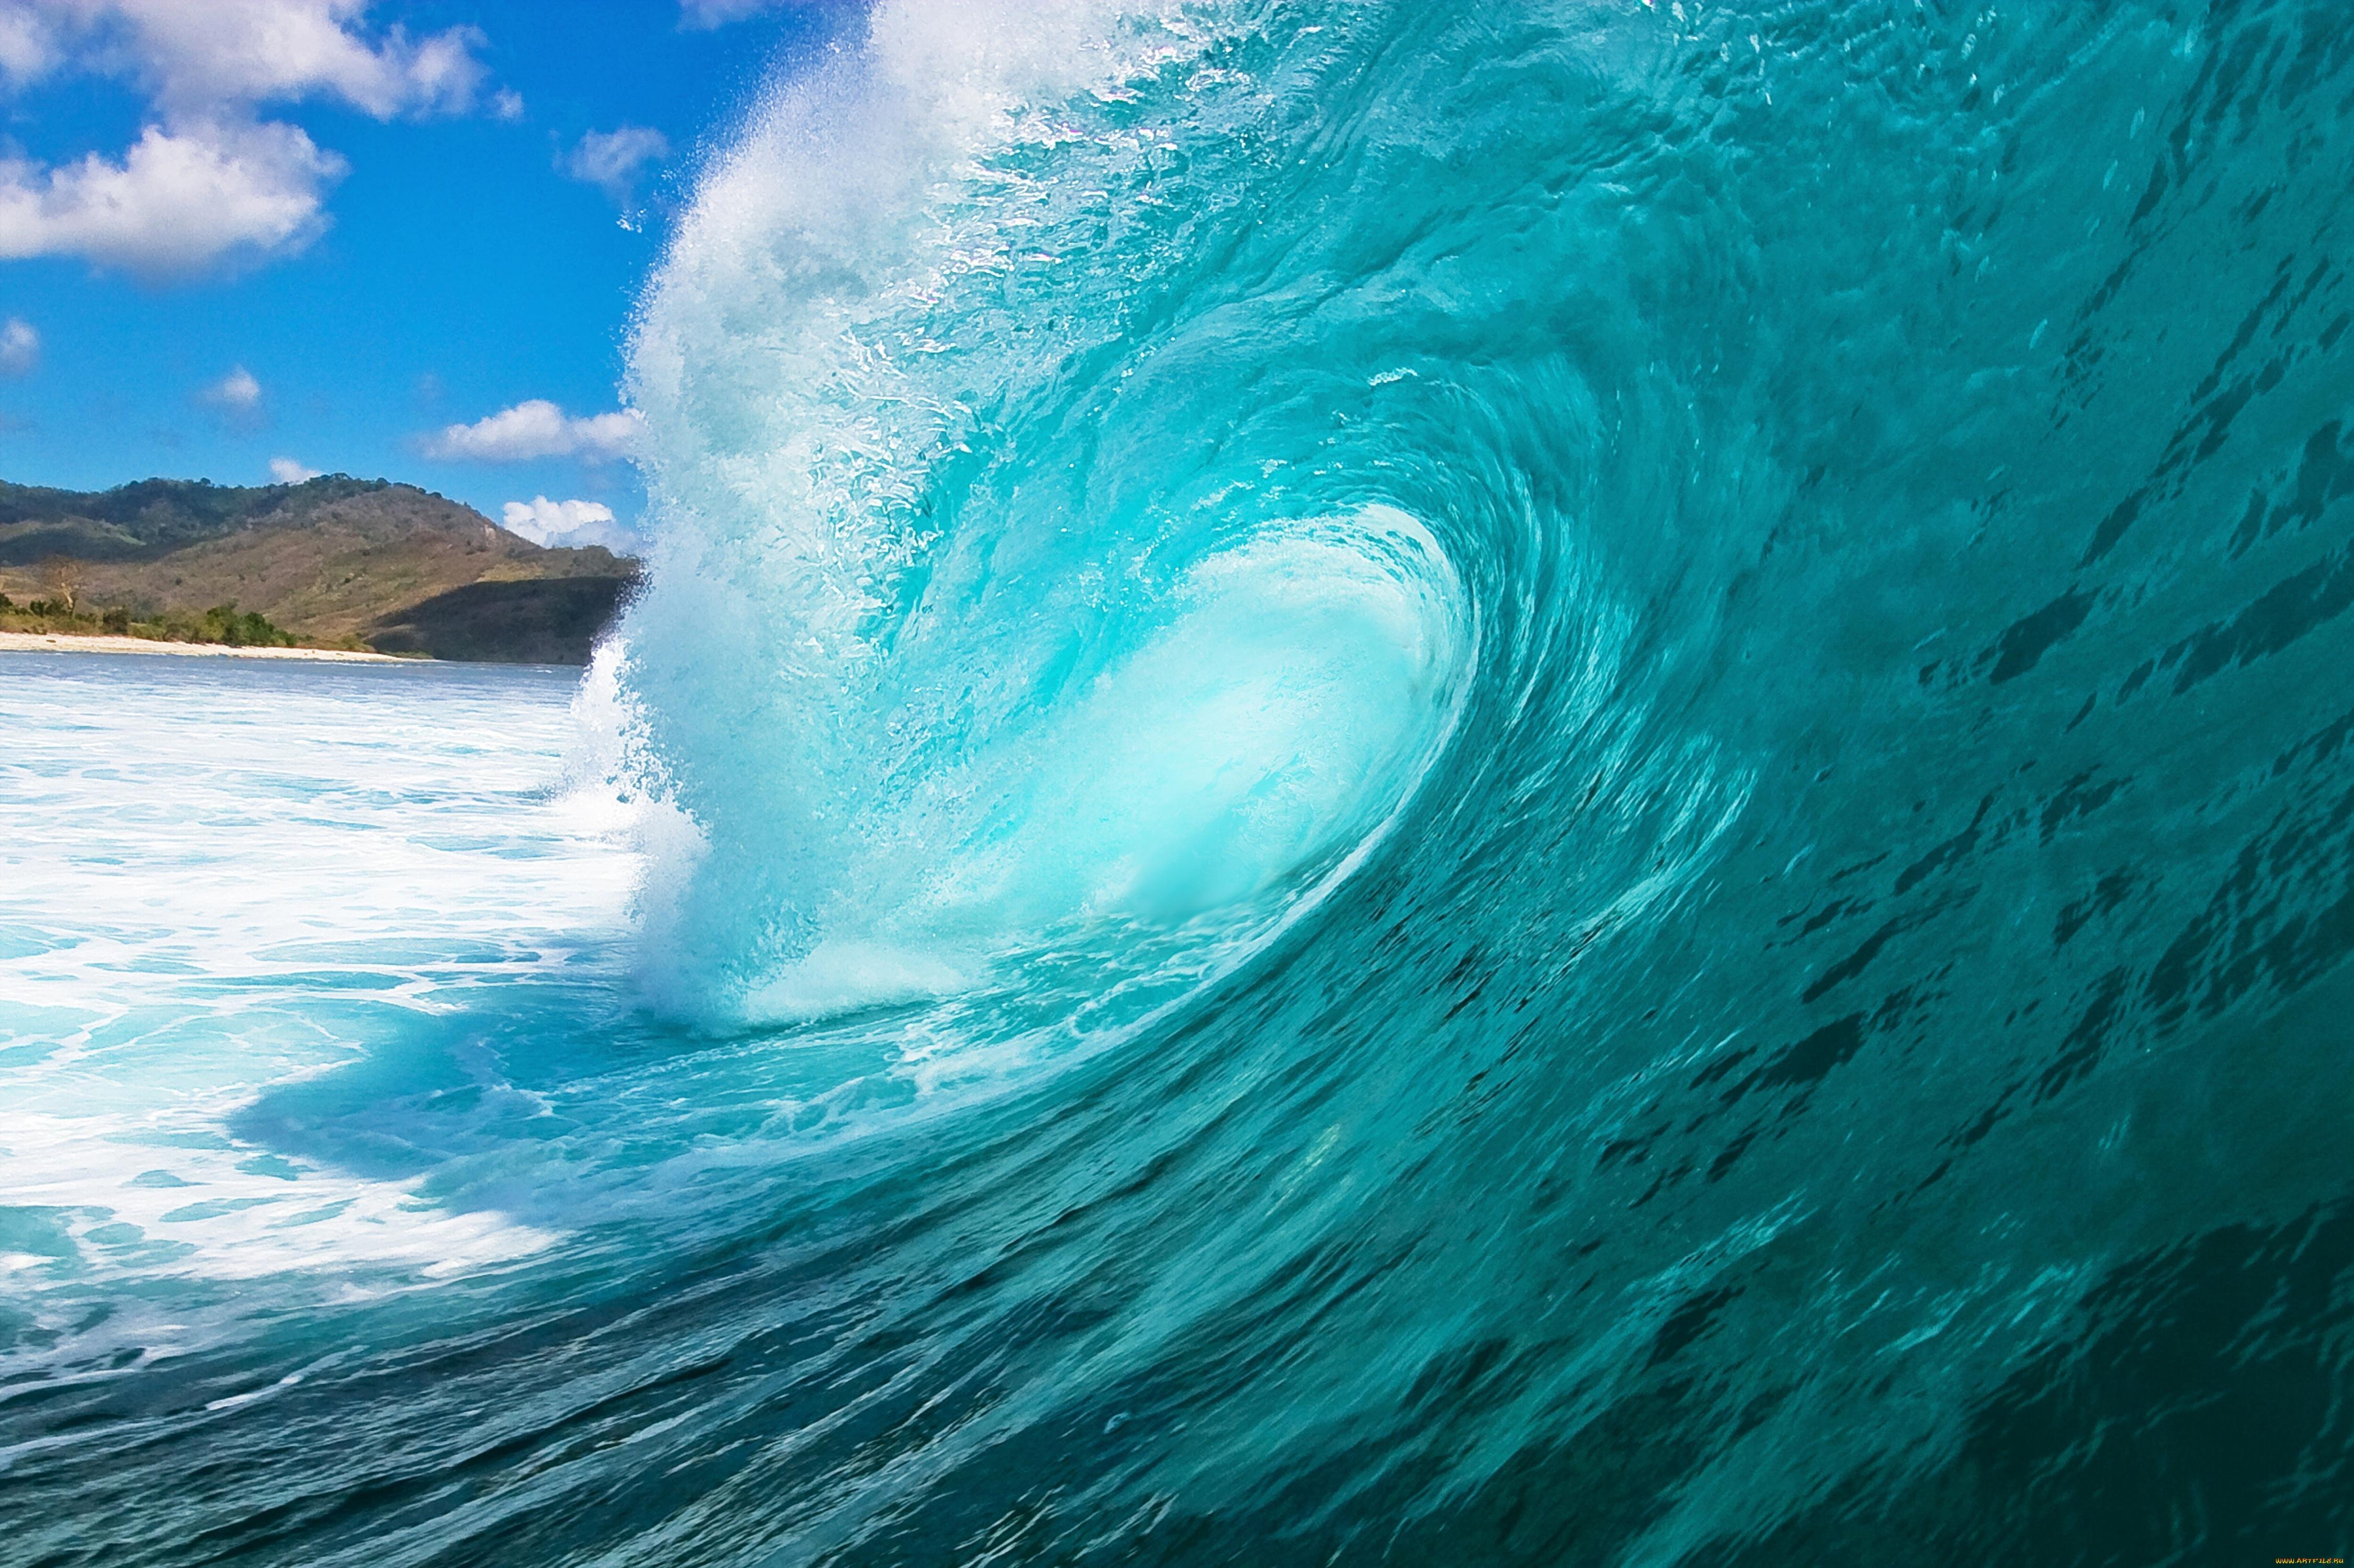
<point>1434,784</point>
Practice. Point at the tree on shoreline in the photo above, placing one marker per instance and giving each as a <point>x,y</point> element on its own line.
<point>61,575</point>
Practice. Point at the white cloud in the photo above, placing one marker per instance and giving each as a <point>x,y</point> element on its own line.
<point>286,471</point>
<point>611,159</point>
<point>200,56</point>
<point>25,51</point>
<point>237,391</point>
<point>568,523</point>
<point>537,428</point>
<point>715,13</point>
<point>173,203</point>
<point>20,347</point>
<point>207,180</point>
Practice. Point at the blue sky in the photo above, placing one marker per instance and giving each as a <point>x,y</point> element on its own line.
<point>322,233</point>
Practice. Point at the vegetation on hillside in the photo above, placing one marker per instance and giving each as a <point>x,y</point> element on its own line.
<point>154,515</point>
<point>221,624</point>
<point>333,562</point>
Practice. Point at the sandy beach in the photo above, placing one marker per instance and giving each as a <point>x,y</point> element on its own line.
<point>45,642</point>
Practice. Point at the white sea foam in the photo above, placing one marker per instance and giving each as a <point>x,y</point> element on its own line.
<point>226,882</point>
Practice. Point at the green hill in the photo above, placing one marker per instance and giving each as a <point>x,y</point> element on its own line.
<point>337,562</point>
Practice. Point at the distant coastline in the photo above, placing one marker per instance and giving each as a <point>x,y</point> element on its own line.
<point>327,564</point>
<point>106,642</point>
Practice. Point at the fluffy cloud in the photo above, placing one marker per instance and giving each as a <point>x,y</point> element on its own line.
<point>715,13</point>
<point>568,523</point>
<point>194,57</point>
<point>537,428</point>
<point>20,347</point>
<point>611,159</point>
<point>237,391</point>
<point>25,52</point>
<point>173,203</point>
<point>207,180</point>
<point>286,471</point>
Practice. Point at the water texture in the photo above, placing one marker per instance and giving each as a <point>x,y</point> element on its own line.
<point>1439,784</point>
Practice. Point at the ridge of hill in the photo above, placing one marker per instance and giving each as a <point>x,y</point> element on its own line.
<point>336,561</point>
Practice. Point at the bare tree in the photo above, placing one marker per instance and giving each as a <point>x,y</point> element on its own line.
<point>61,575</point>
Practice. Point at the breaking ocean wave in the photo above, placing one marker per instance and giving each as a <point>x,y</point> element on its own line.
<point>1545,783</point>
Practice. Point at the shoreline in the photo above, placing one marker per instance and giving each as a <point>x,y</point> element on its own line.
<point>108,643</point>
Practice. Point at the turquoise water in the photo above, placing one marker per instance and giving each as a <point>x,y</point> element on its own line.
<point>1558,783</point>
